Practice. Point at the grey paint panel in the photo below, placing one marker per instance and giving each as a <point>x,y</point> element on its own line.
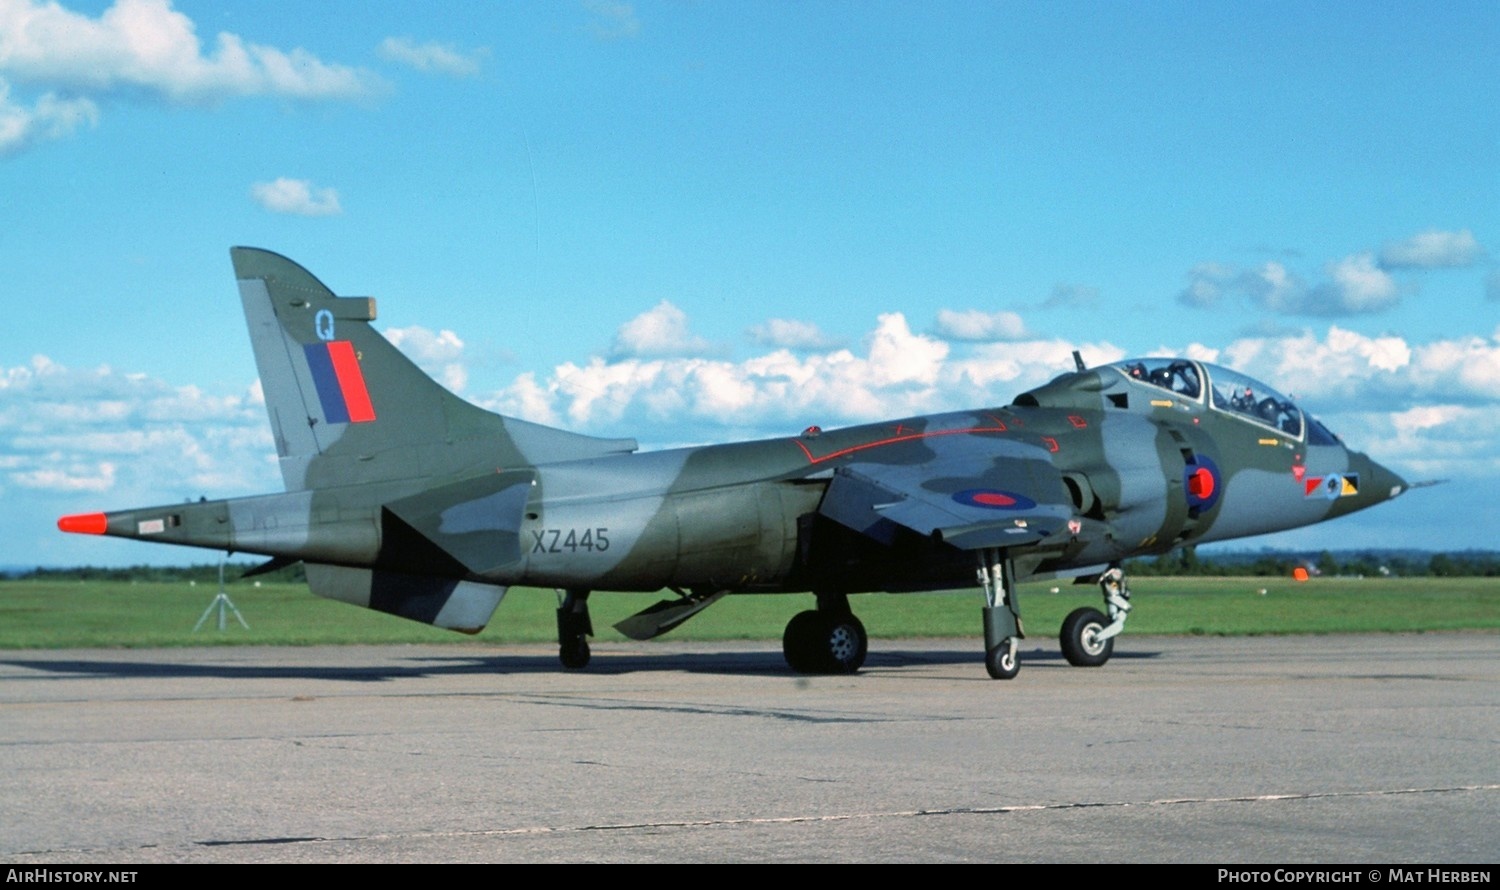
<point>285,394</point>
<point>443,602</point>
<point>476,521</point>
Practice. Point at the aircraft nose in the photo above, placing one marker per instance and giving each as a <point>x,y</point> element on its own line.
<point>1383,483</point>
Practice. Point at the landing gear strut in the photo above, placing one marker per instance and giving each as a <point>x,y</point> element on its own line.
<point>1002,616</point>
<point>826,640</point>
<point>573,628</point>
<point>1088,637</point>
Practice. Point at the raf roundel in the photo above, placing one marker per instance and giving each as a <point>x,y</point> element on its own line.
<point>1202,482</point>
<point>994,499</point>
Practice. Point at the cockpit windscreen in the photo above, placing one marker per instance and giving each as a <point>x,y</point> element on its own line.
<point>1229,391</point>
<point>1172,374</point>
<point>1237,393</point>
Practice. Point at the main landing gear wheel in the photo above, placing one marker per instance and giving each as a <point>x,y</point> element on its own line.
<point>799,642</point>
<point>815,643</point>
<point>1001,661</point>
<point>574,627</point>
<point>1080,638</point>
<point>847,645</point>
<point>575,654</point>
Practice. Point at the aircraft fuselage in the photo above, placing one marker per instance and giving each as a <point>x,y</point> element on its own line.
<point>404,498</point>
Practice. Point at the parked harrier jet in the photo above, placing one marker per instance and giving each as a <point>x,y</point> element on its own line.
<point>404,498</point>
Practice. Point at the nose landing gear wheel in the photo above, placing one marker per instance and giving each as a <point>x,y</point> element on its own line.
<point>1080,638</point>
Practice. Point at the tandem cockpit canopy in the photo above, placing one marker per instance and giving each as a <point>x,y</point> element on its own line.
<point>1228,391</point>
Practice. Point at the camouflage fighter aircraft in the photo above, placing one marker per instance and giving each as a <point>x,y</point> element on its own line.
<point>402,497</point>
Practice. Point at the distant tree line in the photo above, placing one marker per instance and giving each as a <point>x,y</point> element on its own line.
<point>203,574</point>
<point>1187,561</point>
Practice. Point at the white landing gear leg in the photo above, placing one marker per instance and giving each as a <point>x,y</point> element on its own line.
<point>1002,617</point>
<point>1088,637</point>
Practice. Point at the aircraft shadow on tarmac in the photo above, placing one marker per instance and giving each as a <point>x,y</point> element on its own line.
<point>768,662</point>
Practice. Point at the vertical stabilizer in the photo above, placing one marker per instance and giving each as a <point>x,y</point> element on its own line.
<point>346,407</point>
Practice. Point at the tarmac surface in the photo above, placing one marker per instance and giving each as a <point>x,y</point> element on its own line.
<point>1341,749</point>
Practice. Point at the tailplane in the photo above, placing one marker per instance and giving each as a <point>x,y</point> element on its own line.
<point>347,407</point>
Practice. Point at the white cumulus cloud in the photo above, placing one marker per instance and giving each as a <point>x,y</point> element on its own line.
<point>433,58</point>
<point>897,373</point>
<point>70,477</point>
<point>49,118</point>
<point>1433,250</point>
<point>438,353</point>
<point>612,19</point>
<point>1353,285</point>
<point>65,430</point>
<point>1379,374</point>
<point>1274,287</point>
<point>1206,285</point>
<point>296,196</point>
<point>661,330</point>
<point>1399,400</point>
<point>973,324</point>
<point>791,334</point>
<point>149,47</point>
<point>1358,285</point>
<point>1071,295</point>
<point>899,356</point>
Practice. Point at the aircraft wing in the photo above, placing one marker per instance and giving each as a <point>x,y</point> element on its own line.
<point>966,495</point>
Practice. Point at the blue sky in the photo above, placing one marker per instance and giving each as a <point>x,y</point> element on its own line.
<point>690,222</point>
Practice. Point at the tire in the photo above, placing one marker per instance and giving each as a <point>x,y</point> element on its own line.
<point>813,643</point>
<point>1079,638</point>
<point>799,643</point>
<point>575,655</point>
<point>1000,663</point>
<point>845,645</point>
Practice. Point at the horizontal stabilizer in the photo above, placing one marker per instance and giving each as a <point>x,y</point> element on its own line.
<point>464,606</point>
<point>271,565</point>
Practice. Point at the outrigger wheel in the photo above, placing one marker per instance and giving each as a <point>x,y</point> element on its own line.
<point>1001,660</point>
<point>1002,615</point>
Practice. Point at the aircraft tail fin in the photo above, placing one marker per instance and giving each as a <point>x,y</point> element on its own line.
<point>347,407</point>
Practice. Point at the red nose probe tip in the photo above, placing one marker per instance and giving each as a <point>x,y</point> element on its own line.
<point>84,524</point>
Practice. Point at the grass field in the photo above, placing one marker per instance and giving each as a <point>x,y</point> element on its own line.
<point>68,614</point>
